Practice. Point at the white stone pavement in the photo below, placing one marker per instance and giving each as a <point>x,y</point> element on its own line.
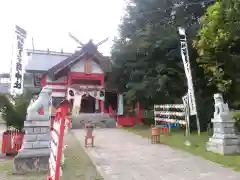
<point>123,155</point>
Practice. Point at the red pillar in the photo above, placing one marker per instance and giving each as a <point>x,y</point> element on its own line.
<point>69,79</point>
<point>139,112</point>
<point>44,80</point>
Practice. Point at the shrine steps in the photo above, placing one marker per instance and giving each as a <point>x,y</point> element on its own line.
<point>99,120</point>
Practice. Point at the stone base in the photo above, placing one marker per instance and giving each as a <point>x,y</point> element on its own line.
<point>223,146</point>
<point>28,160</point>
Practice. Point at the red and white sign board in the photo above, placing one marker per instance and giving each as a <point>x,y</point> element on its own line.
<point>56,145</point>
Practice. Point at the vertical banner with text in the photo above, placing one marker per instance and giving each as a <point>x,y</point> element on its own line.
<point>17,61</point>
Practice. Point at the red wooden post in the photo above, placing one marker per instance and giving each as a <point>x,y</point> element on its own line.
<point>139,112</point>
<point>89,135</point>
<point>64,110</point>
<point>59,151</point>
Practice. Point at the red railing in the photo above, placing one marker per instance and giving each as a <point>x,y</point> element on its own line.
<point>12,141</point>
<point>57,132</point>
<point>127,120</point>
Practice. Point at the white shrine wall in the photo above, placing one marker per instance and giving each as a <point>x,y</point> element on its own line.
<point>79,67</point>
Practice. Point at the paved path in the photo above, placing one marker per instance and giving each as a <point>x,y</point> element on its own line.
<point>123,155</point>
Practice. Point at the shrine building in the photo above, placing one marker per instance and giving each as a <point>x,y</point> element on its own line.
<point>78,77</point>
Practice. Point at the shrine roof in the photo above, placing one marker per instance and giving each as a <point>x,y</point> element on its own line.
<point>42,61</point>
<point>88,49</point>
<point>53,62</point>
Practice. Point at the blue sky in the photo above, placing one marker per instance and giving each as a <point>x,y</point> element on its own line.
<point>49,21</point>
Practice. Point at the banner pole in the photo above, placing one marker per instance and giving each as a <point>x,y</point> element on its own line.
<point>187,68</point>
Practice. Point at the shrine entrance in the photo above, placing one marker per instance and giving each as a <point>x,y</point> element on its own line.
<point>87,104</point>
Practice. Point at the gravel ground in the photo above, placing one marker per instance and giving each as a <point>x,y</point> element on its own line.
<point>123,155</point>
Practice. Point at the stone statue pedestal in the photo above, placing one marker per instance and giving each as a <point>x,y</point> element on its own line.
<point>35,152</point>
<point>34,155</point>
<point>224,140</point>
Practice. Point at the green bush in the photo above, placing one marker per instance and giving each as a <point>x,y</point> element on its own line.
<point>236,117</point>
<point>14,109</point>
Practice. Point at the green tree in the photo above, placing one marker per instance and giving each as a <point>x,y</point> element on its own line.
<point>14,109</point>
<point>147,63</point>
<point>218,46</point>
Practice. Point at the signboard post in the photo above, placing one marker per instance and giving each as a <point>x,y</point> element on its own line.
<point>187,68</point>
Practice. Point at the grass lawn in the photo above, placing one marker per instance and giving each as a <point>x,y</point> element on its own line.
<point>78,165</point>
<point>177,139</point>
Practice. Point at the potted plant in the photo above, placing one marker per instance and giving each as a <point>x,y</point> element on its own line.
<point>13,111</point>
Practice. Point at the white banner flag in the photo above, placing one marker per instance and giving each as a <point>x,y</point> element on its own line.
<point>17,61</point>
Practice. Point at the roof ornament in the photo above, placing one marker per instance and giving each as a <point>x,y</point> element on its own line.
<point>101,42</point>
<point>90,41</point>
<point>75,39</point>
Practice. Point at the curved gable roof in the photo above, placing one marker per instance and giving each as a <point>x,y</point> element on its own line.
<point>88,49</point>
